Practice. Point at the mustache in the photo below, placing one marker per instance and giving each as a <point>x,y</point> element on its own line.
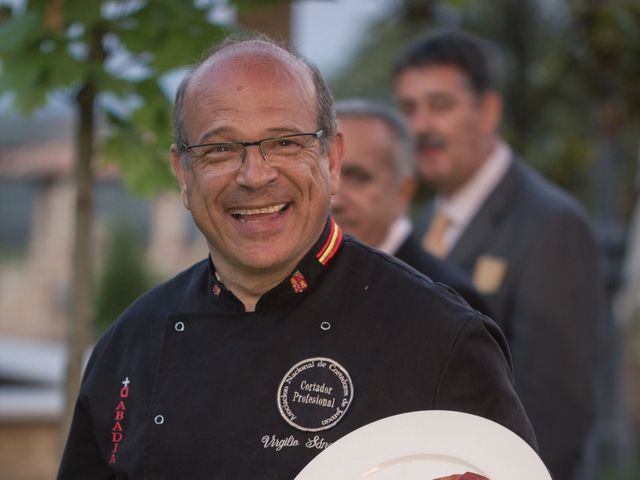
<point>428,140</point>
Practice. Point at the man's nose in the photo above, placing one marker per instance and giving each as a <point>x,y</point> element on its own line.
<point>421,121</point>
<point>255,171</point>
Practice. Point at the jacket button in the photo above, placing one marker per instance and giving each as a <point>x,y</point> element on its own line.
<point>179,326</point>
<point>325,326</point>
<point>159,420</point>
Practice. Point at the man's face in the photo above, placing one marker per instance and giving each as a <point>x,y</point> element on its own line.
<point>453,126</point>
<point>259,219</point>
<point>372,194</point>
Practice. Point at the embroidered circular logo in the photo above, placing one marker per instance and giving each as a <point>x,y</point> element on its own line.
<point>315,394</point>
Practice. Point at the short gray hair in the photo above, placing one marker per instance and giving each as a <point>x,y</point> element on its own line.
<point>403,161</point>
<point>324,99</point>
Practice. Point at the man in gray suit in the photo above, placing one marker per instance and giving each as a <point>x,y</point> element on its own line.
<point>525,243</point>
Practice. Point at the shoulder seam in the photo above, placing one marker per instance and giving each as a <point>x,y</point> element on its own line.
<point>389,259</point>
<point>450,355</point>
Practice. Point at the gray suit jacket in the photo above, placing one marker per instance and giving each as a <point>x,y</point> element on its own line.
<point>531,252</point>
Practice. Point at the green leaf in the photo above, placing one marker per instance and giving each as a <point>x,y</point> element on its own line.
<point>145,166</point>
<point>25,80</point>
<point>20,30</point>
<point>139,144</point>
<point>86,12</point>
<point>173,54</point>
<point>172,35</point>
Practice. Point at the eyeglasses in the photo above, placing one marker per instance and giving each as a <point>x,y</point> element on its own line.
<point>228,156</point>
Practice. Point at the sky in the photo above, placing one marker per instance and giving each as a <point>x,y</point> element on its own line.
<point>328,32</point>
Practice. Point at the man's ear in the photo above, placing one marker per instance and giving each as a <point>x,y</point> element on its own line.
<point>407,189</point>
<point>181,173</point>
<point>336,152</point>
<point>491,111</point>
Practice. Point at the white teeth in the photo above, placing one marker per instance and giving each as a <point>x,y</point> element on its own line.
<point>256,211</point>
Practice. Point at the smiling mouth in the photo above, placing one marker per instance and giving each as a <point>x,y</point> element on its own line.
<point>249,214</point>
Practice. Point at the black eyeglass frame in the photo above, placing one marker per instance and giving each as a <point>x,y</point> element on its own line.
<point>317,135</point>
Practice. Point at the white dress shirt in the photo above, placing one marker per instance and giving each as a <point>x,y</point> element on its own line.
<point>398,233</point>
<point>465,203</point>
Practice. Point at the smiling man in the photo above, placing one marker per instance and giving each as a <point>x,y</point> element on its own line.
<point>289,335</point>
<point>261,219</point>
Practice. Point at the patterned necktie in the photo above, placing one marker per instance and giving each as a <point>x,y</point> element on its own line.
<point>433,240</point>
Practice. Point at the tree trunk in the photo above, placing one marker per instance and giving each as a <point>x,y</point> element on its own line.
<point>81,319</point>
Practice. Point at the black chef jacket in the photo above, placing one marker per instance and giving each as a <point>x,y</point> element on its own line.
<point>187,385</point>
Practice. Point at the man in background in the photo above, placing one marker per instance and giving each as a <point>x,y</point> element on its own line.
<point>377,185</point>
<point>526,244</point>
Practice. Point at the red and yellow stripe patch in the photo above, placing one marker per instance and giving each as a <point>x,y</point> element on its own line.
<point>332,244</point>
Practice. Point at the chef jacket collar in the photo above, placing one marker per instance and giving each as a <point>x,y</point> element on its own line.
<point>296,286</point>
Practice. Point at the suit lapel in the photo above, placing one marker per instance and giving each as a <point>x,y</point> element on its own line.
<point>478,232</point>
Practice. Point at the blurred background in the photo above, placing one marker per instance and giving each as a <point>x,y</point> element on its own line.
<point>89,213</point>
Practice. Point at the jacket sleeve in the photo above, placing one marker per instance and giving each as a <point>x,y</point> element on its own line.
<point>554,337</point>
<point>81,457</point>
<point>477,378</point>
